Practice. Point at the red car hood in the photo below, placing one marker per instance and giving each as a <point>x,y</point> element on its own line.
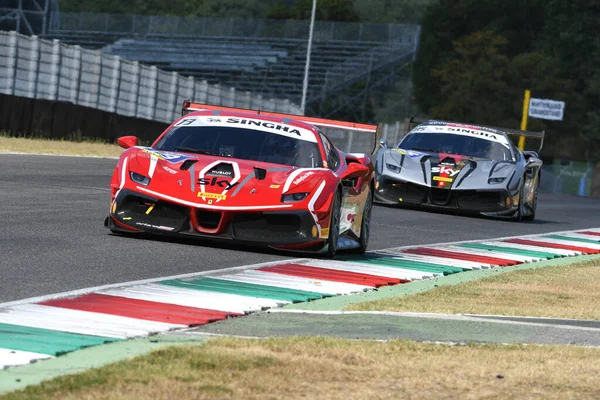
<point>222,181</point>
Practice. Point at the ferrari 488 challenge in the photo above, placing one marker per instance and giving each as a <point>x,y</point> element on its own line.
<point>240,175</point>
<point>463,167</point>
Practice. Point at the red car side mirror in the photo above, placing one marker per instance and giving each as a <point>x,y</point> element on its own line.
<point>127,141</point>
<point>356,170</point>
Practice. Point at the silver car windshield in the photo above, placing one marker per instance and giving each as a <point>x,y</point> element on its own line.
<point>443,142</point>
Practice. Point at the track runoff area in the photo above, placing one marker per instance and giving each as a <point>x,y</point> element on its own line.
<point>50,326</point>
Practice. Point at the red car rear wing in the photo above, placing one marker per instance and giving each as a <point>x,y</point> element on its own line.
<point>189,106</point>
<point>529,134</point>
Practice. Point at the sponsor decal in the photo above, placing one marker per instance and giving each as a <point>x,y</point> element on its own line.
<point>274,186</point>
<point>223,183</point>
<point>442,179</point>
<point>265,124</point>
<point>445,170</point>
<point>126,218</point>
<point>303,177</point>
<point>217,196</point>
<point>162,227</point>
<point>414,154</point>
<point>149,210</point>
<point>473,132</point>
<point>169,170</point>
<point>220,172</point>
<point>166,155</point>
<point>399,151</point>
<point>209,119</point>
<point>324,233</point>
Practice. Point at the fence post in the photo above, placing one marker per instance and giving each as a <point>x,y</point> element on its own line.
<point>350,140</point>
<point>231,98</point>
<point>153,91</point>
<point>116,83</point>
<point>98,55</point>
<point>191,83</point>
<point>384,135</point>
<point>55,70</point>
<point>397,132</point>
<point>202,97</point>
<point>173,94</point>
<point>135,83</point>
<point>77,74</point>
<point>34,61</point>
<point>12,57</point>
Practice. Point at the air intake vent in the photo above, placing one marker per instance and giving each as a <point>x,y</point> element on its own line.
<point>187,164</point>
<point>260,173</point>
<point>224,169</point>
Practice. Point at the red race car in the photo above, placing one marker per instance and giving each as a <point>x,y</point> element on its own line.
<point>246,176</point>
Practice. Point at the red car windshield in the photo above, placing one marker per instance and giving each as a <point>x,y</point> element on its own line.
<point>243,143</point>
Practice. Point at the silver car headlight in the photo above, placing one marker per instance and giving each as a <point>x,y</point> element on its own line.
<point>392,167</point>
<point>496,180</point>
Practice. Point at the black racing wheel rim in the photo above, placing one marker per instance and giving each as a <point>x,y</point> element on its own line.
<point>366,233</point>
<point>335,225</point>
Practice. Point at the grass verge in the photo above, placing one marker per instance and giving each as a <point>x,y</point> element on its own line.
<point>569,291</point>
<point>63,147</point>
<point>330,368</point>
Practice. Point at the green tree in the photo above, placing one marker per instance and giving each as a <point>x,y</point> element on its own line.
<point>474,83</point>
<point>520,22</point>
<point>327,10</point>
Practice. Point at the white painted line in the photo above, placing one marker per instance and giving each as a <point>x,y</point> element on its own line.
<point>13,358</point>
<point>495,254</point>
<point>454,262</point>
<point>82,322</point>
<point>78,292</point>
<point>569,243</point>
<point>56,155</point>
<point>528,237</point>
<point>560,252</point>
<point>451,317</point>
<point>582,236</point>
<point>389,272</point>
<point>195,298</point>
<point>292,282</point>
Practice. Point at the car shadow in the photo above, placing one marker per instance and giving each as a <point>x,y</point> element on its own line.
<point>464,214</point>
<point>204,242</point>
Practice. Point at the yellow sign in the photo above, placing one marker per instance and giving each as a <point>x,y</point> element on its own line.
<point>524,119</point>
<point>442,179</point>
<point>212,195</point>
<point>274,186</point>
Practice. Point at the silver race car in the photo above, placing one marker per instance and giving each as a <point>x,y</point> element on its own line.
<point>461,167</point>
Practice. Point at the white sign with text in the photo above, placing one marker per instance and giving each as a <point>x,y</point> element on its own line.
<point>546,109</point>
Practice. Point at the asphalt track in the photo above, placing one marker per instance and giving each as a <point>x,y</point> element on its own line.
<point>52,238</point>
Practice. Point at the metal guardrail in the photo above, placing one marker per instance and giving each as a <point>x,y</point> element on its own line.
<point>44,69</point>
<point>172,26</point>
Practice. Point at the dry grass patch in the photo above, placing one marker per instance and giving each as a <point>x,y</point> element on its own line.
<point>329,368</point>
<point>63,147</point>
<point>569,291</point>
